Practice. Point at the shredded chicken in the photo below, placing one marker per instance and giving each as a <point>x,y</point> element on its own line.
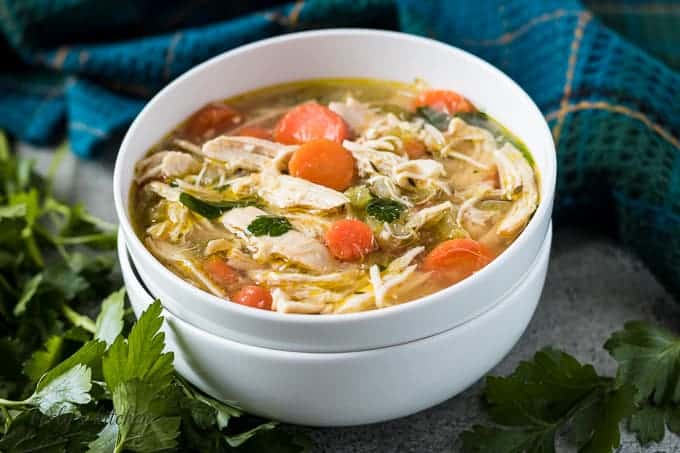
<point>285,191</point>
<point>293,246</point>
<point>165,164</point>
<point>516,174</point>
<point>284,304</point>
<point>357,115</point>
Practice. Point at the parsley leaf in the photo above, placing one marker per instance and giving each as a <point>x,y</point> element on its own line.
<point>32,431</point>
<point>385,210</point>
<point>551,393</point>
<point>138,373</point>
<point>269,225</point>
<point>649,359</point>
<point>438,119</point>
<point>212,209</point>
<point>109,323</point>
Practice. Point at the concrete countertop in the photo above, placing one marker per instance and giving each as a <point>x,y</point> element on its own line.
<point>593,287</point>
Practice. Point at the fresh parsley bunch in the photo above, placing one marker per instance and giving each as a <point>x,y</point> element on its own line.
<point>553,394</point>
<point>71,383</point>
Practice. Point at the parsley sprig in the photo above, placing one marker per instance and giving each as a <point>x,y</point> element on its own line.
<point>553,394</point>
<point>73,383</point>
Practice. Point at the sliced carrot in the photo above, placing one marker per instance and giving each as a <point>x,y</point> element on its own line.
<point>211,120</point>
<point>415,149</point>
<point>456,259</point>
<point>310,121</point>
<point>349,239</point>
<point>253,296</point>
<point>443,100</point>
<point>220,272</point>
<point>254,131</point>
<point>323,162</point>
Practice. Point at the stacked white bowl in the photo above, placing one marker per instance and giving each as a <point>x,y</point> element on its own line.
<point>356,368</point>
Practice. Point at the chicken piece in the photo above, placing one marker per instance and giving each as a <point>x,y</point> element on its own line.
<point>284,304</point>
<point>293,246</point>
<point>517,183</point>
<point>217,245</point>
<point>177,256</point>
<point>278,278</point>
<point>164,191</point>
<point>427,215</point>
<point>166,164</point>
<point>284,191</point>
<point>371,161</point>
<point>425,173</point>
<point>357,115</point>
<point>248,153</point>
<point>398,271</point>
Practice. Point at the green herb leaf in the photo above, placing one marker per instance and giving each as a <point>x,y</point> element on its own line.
<point>438,119</point>
<point>649,424</point>
<point>43,359</point>
<point>212,210</point>
<point>32,431</point>
<point>649,359</point>
<point>27,294</point>
<point>109,323</point>
<point>138,374</point>
<point>546,395</point>
<point>385,210</point>
<point>106,438</point>
<point>269,225</point>
<point>61,394</point>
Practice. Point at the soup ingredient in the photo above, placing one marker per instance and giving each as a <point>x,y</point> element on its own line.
<point>253,296</point>
<point>269,225</point>
<point>384,210</point>
<point>283,191</point>
<point>444,101</point>
<point>323,162</point>
<point>437,118</point>
<point>296,247</point>
<point>55,352</point>
<point>310,121</point>
<point>211,120</point>
<point>457,258</point>
<point>415,149</point>
<point>212,210</point>
<point>223,274</point>
<point>165,164</point>
<point>557,394</point>
<point>349,239</point>
<point>254,131</point>
<point>359,196</point>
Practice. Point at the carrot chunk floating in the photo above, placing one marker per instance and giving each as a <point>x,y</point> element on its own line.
<point>323,162</point>
<point>310,121</point>
<point>212,120</point>
<point>253,296</point>
<point>415,149</point>
<point>220,272</point>
<point>456,259</point>
<point>349,240</point>
<point>444,101</point>
<point>254,131</point>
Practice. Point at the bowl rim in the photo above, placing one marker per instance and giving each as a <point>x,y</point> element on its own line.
<point>547,182</point>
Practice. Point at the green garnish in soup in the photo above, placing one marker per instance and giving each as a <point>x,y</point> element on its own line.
<point>333,195</point>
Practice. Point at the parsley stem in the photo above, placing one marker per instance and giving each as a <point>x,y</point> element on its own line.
<point>11,403</point>
<point>8,418</point>
<point>86,238</point>
<point>77,319</point>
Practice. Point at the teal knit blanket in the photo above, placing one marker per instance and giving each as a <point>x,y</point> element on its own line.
<point>613,103</point>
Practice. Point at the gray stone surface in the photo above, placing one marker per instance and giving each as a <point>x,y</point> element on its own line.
<point>593,287</point>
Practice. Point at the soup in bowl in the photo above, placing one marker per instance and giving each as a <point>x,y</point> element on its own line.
<point>333,195</point>
<point>247,93</point>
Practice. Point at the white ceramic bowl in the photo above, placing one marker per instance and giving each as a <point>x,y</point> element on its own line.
<point>342,53</point>
<point>347,388</point>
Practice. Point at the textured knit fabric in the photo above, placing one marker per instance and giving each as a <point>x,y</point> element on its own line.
<point>613,108</point>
